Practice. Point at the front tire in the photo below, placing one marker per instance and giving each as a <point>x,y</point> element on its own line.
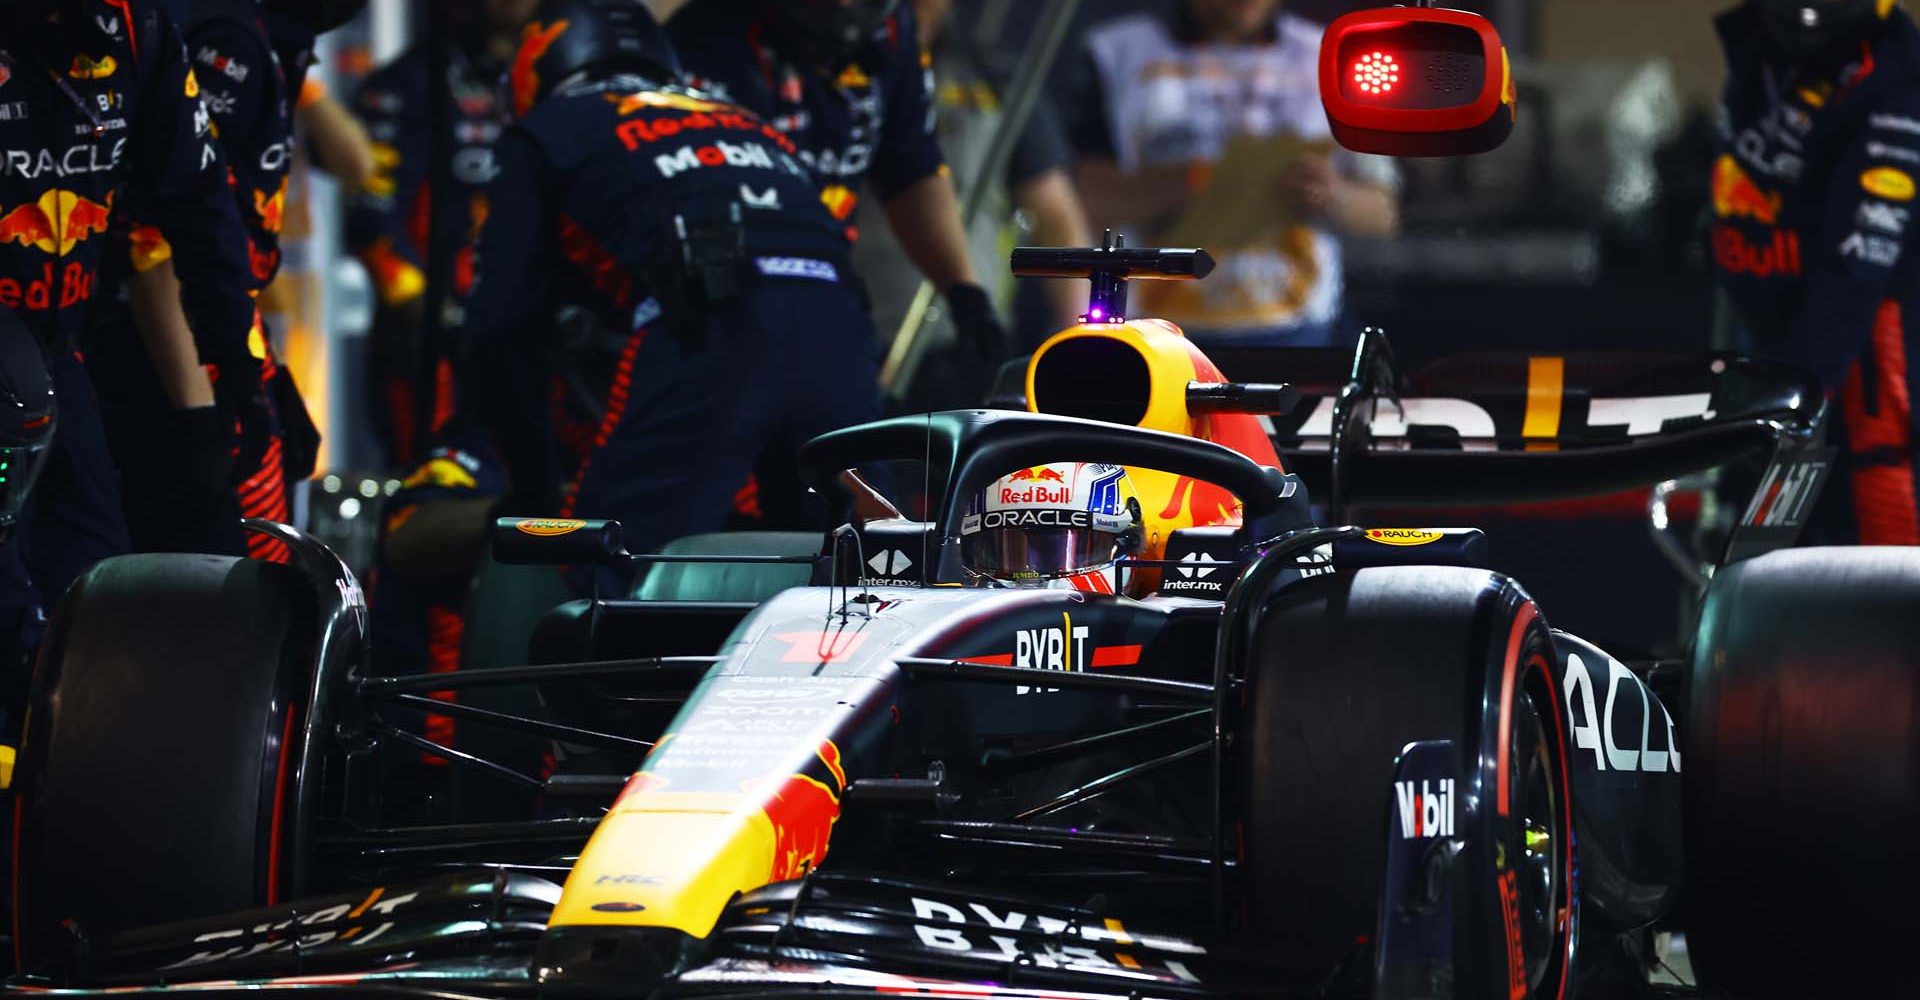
<point>1345,671</point>
<point>154,780</point>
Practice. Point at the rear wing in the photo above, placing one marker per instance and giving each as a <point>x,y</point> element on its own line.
<point>1494,429</point>
<point>1500,428</point>
<point>1504,428</point>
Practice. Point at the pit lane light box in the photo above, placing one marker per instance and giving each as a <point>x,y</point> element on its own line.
<point>1416,81</point>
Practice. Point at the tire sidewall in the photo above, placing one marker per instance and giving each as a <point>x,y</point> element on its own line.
<point>1521,656</point>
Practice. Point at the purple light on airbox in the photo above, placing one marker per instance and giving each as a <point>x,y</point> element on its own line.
<point>1096,314</point>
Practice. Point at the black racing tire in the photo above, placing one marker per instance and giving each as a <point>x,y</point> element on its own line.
<point>154,779</point>
<point>1343,672</point>
<point>1802,774</point>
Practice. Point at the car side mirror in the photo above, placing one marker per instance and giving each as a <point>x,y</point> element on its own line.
<point>1417,81</point>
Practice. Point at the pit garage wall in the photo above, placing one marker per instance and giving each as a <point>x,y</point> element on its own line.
<point>1681,31</point>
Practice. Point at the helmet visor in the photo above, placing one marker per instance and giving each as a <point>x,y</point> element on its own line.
<point>1038,553</point>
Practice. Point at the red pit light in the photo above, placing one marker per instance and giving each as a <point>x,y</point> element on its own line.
<point>1376,73</point>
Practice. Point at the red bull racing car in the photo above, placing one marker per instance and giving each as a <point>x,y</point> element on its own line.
<point>1282,760</point>
<point>1282,757</point>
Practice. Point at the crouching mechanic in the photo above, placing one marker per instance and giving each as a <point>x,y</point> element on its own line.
<point>1813,197</point>
<point>1064,526</point>
<point>715,278</point>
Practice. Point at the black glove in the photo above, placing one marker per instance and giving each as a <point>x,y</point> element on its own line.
<point>193,507</point>
<point>241,399</point>
<point>975,322</point>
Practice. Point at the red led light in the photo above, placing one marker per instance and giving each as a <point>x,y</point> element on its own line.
<point>1376,73</point>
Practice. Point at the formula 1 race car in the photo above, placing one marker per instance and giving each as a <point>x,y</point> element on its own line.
<point>1284,759</point>
<point>1306,760</point>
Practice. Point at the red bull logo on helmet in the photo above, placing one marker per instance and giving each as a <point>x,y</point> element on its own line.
<point>1037,474</point>
<point>1035,494</point>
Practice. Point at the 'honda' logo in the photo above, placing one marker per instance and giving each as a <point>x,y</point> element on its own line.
<point>1427,812</point>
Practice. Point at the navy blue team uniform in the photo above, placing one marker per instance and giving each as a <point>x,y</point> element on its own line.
<point>1814,193</point>
<point>387,224</point>
<point>242,85</point>
<point>732,338</point>
<point>867,119</point>
<point>417,620</point>
<point>99,114</point>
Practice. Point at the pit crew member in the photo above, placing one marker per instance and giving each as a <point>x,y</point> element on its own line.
<point>246,92</point>
<point>101,113</point>
<point>1037,181</point>
<point>388,220</point>
<point>693,236</point>
<point>847,82</point>
<point>1813,199</point>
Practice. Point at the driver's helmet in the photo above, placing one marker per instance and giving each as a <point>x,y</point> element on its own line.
<point>1063,525</point>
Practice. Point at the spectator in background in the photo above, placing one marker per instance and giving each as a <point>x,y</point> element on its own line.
<point>387,222</point>
<point>1171,101</point>
<point>967,93</point>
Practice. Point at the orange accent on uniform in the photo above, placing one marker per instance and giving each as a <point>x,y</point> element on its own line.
<point>584,252</point>
<point>616,408</point>
<point>443,394</point>
<point>396,278</point>
<point>401,413</point>
<point>312,92</point>
<point>263,264</point>
<point>463,271</point>
<point>1884,506</point>
<point>576,436</point>
<point>535,40</point>
<point>445,629</point>
<point>746,500</point>
<point>263,493</point>
<point>418,228</point>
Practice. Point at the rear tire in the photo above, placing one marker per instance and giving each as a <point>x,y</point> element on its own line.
<point>154,780</point>
<point>1803,774</point>
<point>1345,671</point>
